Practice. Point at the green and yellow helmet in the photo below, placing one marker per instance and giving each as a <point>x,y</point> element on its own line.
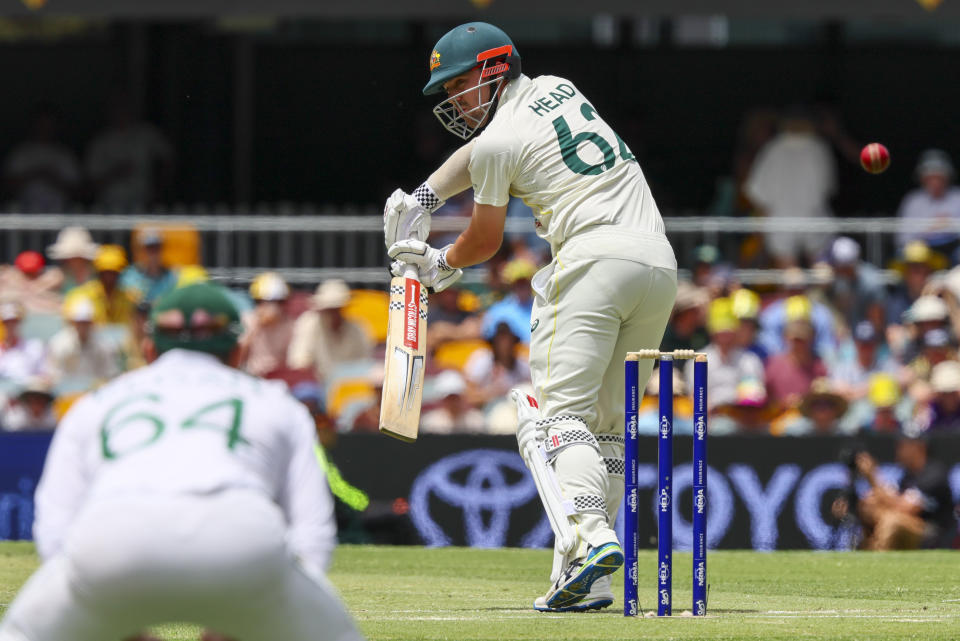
<point>199,317</point>
<point>469,46</point>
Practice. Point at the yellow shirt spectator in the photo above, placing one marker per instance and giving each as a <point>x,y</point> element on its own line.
<point>111,304</point>
<point>114,308</point>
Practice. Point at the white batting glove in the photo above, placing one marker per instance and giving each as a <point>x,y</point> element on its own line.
<point>528,413</point>
<point>408,215</point>
<point>430,262</point>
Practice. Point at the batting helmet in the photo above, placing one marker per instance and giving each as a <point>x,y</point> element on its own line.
<point>468,46</point>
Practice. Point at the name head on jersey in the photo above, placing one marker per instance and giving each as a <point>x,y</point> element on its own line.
<point>199,317</point>
<point>482,50</point>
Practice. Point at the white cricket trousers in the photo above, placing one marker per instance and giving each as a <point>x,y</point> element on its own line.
<point>218,560</point>
<point>586,316</point>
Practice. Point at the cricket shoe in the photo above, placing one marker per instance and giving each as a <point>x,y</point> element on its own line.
<point>574,585</point>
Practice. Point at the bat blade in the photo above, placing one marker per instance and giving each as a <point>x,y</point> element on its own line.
<point>405,358</point>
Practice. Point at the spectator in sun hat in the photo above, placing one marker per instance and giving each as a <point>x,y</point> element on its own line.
<point>746,307</point>
<point>916,265</point>
<point>926,313</point>
<point>819,413</point>
<point>20,358</point>
<point>323,338</point>
<point>515,308</point>
<point>729,364</point>
<point>942,413</point>
<point>74,251</point>
<point>856,288</point>
<point>111,303</point>
<point>926,212</point>
<point>453,413</point>
<point>30,282</point>
<point>268,327</point>
<point>80,358</point>
<point>149,279</point>
<point>31,409</point>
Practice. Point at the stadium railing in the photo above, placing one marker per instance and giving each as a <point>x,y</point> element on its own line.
<point>347,243</point>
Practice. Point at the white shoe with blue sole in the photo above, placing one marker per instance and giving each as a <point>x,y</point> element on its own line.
<point>573,587</point>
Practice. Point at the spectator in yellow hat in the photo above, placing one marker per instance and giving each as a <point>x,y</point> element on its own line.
<point>516,307</point>
<point>746,307</point>
<point>111,303</point>
<point>729,364</point>
<point>268,327</point>
<point>777,314</point>
<point>885,406</point>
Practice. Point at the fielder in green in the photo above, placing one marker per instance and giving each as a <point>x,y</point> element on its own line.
<point>608,289</point>
<point>183,491</point>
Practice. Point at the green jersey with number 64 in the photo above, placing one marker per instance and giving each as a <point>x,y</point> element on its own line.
<point>548,145</point>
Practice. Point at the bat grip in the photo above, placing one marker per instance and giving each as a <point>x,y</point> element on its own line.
<point>410,271</point>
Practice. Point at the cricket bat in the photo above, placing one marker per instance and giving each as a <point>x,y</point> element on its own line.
<point>405,357</point>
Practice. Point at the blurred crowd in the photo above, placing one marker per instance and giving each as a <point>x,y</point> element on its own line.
<point>834,350</point>
<point>838,346</point>
<point>75,315</point>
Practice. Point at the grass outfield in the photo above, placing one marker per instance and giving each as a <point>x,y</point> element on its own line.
<point>463,594</point>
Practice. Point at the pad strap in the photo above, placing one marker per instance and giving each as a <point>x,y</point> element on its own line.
<point>562,439</point>
<point>616,439</point>
<point>615,466</point>
<point>590,503</point>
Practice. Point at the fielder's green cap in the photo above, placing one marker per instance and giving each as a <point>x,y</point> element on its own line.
<point>199,317</point>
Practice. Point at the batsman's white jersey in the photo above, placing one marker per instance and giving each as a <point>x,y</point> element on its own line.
<point>183,491</point>
<point>608,290</point>
<point>548,146</point>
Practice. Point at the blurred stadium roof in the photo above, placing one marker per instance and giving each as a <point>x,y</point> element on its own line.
<point>485,9</point>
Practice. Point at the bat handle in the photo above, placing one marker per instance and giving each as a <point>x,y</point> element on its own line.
<point>410,271</point>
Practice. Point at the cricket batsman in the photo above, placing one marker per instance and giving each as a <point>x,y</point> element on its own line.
<point>183,491</point>
<point>608,289</point>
